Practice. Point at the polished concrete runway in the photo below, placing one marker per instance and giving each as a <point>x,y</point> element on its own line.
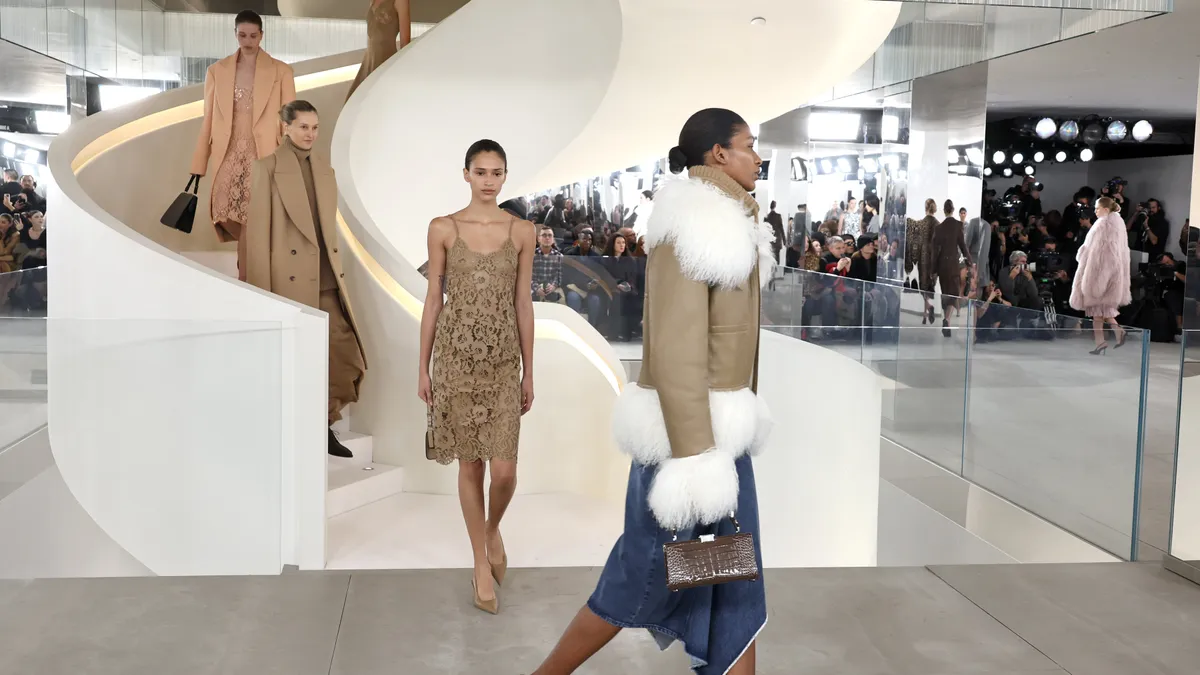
<point>1100,619</point>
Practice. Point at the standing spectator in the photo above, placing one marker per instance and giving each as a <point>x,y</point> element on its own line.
<point>1157,230</point>
<point>547,269</point>
<point>801,218</point>
<point>11,186</point>
<point>625,307</point>
<point>29,189</point>
<point>776,222</point>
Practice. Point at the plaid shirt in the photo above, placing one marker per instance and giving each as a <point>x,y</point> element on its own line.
<point>547,268</point>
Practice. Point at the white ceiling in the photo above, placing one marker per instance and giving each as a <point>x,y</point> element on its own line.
<point>1148,67</point>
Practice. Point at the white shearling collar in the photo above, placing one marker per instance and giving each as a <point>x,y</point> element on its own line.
<point>716,240</point>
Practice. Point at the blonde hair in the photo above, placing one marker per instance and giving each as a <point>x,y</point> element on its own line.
<point>1109,203</point>
<point>930,207</point>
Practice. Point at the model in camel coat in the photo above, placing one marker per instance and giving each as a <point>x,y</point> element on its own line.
<point>274,86</point>
<point>694,410</point>
<point>1101,284</point>
<point>282,251</point>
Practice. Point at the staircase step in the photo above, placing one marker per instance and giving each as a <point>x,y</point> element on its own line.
<point>361,445</point>
<point>353,486</point>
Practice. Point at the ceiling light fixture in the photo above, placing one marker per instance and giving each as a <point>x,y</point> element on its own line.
<point>998,157</point>
<point>1039,156</point>
<point>1008,172</point>
<point>1060,156</point>
<point>1029,170</point>
<point>1142,131</point>
<point>1086,154</point>
<point>758,21</point>
<point>1069,131</point>
<point>987,171</point>
<point>1045,128</point>
<point>1116,132</point>
<point>975,155</point>
<point>1018,158</point>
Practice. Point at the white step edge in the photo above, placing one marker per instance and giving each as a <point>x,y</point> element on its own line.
<point>361,445</point>
<point>351,487</point>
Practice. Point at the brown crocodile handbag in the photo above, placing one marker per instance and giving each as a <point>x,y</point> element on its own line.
<point>711,560</point>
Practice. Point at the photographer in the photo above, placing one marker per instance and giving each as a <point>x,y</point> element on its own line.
<point>1115,188</point>
<point>1138,226</point>
<point>1156,230</point>
<point>1077,219</point>
<point>1017,284</point>
<point>992,314</point>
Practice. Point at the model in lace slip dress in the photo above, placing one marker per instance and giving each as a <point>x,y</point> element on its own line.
<point>476,363</point>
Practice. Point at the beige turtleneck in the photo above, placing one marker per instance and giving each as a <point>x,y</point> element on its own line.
<point>328,279</point>
<point>728,185</point>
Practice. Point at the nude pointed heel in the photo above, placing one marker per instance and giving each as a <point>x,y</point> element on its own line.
<point>499,569</point>
<point>490,606</point>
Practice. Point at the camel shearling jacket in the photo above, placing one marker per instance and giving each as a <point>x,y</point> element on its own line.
<point>694,409</point>
<point>282,254</point>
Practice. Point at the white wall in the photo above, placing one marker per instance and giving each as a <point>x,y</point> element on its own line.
<point>1168,179</point>
<point>1061,182</point>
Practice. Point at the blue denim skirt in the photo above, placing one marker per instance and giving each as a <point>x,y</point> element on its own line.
<point>716,624</point>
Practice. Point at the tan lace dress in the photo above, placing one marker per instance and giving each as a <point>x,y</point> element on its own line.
<point>477,357</point>
<point>231,185</point>
<point>383,27</point>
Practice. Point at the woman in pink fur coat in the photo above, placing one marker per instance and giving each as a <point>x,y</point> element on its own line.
<point>1102,282</point>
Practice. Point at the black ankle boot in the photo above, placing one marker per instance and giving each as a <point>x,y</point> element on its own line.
<point>335,446</point>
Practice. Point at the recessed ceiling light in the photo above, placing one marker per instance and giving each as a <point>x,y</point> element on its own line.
<point>758,21</point>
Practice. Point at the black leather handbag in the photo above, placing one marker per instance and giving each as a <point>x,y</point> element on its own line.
<point>182,213</point>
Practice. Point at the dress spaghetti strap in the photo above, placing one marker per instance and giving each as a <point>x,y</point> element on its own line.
<point>511,221</point>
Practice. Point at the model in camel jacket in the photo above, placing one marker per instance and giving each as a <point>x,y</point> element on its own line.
<point>1102,281</point>
<point>694,409</point>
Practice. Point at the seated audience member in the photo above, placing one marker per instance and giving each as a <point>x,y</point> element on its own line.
<point>864,266</point>
<point>10,237</point>
<point>1174,274</point>
<point>547,269</point>
<point>583,245</point>
<point>1017,284</point>
<point>992,314</point>
<point>625,309</point>
<point>835,261</point>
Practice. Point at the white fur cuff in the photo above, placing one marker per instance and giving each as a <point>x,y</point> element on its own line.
<point>741,424</point>
<point>696,490</point>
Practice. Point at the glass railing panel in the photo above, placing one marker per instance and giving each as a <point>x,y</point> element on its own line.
<point>22,355</point>
<point>25,22</point>
<point>1053,427</point>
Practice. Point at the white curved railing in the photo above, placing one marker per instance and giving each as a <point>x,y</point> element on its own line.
<point>191,480</point>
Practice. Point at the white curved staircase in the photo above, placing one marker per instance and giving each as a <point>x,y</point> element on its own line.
<point>123,288</point>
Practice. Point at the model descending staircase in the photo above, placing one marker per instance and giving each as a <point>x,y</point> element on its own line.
<point>352,482</point>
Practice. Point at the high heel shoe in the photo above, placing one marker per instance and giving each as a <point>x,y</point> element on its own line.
<point>501,568</point>
<point>490,606</point>
<point>1121,341</point>
<point>1099,350</point>
<point>945,327</point>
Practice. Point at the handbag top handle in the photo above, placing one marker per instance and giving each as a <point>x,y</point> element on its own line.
<point>737,527</point>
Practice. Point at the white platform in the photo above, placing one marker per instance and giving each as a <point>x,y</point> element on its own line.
<point>358,481</point>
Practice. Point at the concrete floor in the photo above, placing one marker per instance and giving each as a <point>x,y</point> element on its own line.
<point>1102,619</point>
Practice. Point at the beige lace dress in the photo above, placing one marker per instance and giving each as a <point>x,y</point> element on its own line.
<point>477,357</point>
<point>231,185</point>
<point>383,27</point>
